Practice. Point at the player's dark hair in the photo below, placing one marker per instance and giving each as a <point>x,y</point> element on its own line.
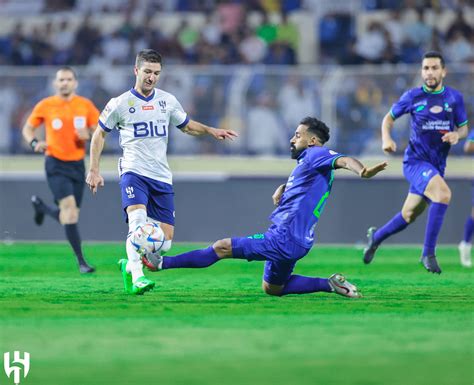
<point>435,55</point>
<point>316,127</point>
<point>147,56</point>
<point>68,68</point>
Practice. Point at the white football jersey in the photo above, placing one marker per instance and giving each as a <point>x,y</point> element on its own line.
<point>143,126</point>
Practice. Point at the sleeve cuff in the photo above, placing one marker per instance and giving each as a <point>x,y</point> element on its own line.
<point>462,124</point>
<point>392,115</point>
<point>185,123</point>
<point>104,127</point>
<point>334,160</point>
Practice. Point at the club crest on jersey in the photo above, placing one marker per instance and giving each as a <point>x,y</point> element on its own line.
<point>162,104</point>
<point>447,108</point>
<point>436,109</point>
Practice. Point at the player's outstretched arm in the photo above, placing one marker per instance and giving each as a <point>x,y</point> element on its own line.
<point>196,129</point>
<point>358,168</point>
<point>94,180</point>
<point>388,144</point>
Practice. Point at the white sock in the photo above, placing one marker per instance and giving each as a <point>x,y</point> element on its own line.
<point>166,246</point>
<point>136,218</point>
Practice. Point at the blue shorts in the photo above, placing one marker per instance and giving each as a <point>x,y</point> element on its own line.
<point>158,197</point>
<point>419,173</point>
<point>278,250</point>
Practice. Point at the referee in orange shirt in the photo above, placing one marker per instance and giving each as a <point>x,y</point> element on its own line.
<point>69,120</point>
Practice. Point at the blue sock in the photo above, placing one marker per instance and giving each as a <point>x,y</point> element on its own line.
<point>193,259</point>
<point>393,226</point>
<point>298,284</point>
<point>433,227</point>
<point>468,229</point>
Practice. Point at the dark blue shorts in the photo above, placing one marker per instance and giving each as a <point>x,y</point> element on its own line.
<point>278,250</point>
<point>158,197</point>
<point>65,178</point>
<point>419,173</point>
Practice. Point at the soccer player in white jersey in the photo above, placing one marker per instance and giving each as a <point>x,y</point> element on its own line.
<point>142,116</point>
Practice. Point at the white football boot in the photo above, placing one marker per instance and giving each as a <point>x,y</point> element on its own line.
<point>341,286</point>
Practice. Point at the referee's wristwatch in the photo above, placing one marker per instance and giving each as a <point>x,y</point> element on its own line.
<point>33,143</point>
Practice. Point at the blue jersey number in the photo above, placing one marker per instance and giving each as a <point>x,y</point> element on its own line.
<point>144,129</point>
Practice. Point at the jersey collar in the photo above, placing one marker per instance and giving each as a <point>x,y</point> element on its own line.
<point>140,96</point>
<point>426,90</point>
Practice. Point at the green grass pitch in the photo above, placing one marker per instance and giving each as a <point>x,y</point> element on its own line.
<point>215,326</point>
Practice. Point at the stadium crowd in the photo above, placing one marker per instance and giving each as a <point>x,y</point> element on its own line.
<point>235,32</point>
<point>93,35</point>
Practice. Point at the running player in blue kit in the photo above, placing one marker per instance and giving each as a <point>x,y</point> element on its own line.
<point>300,203</point>
<point>438,121</point>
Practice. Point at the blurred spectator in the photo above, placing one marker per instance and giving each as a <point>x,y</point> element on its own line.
<point>394,26</point>
<point>334,30</point>
<point>459,49</point>
<point>62,41</point>
<point>265,136</point>
<point>231,16</point>
<point>266,31</point>
<point>287,32</point>
<point>295,101</point>
<point>188,38</point>
<point>280,53</point>
<point>116,48</point>
<point>252,47</point>
<point>211,33</point>
<point>416,30</point>
<point>459,25</point>
<point>372,44</point>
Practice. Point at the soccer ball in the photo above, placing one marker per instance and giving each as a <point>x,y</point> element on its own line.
<point>147,239</point>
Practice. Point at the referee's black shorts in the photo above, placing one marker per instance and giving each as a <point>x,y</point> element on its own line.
<point>65,178</point>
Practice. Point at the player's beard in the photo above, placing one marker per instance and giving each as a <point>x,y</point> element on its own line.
<point>294,152</point>
<point>434,85</point>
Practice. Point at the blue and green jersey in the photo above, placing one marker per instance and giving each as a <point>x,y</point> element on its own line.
<point>307,190</point>
<point>432,115</point>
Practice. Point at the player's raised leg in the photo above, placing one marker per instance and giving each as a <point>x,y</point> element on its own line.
<point>195,259</point>
<point>414,205</point>
<point>278,280</point>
